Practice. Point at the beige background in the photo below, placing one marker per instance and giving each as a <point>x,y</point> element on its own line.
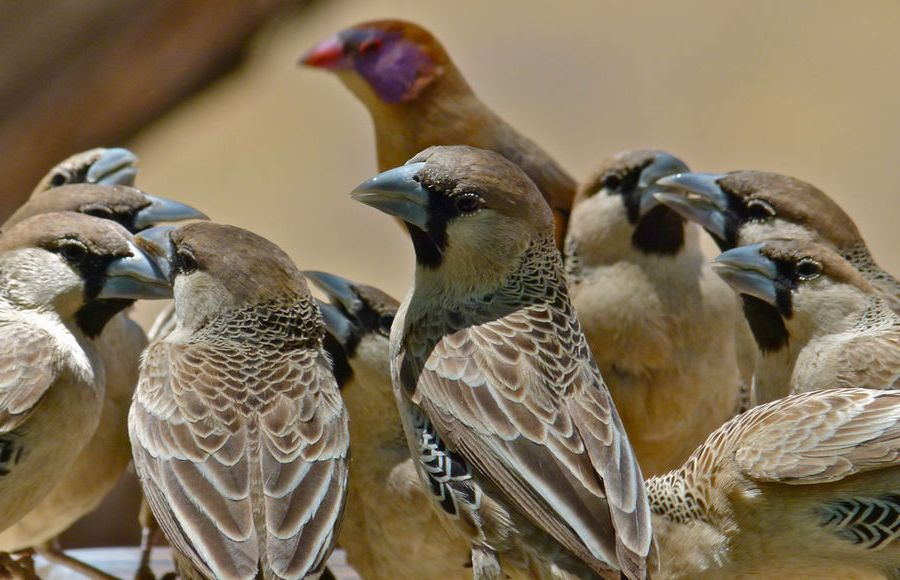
<point>805,87</point>
<point>808,88</point>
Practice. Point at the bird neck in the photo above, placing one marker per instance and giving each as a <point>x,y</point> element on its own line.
<point>282,325</point>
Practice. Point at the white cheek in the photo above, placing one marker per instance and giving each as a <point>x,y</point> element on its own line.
<point>598,229</point>
<point>38,278</point>
<point>480,248</point>
<point>199,297</point>
<point>822,306</point>
<point>761,231</point>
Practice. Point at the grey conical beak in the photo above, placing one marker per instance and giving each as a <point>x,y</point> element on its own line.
<point>116,166</point>
<point>158,243</point>
<point>165,210</point>
<point>662,166</point>
<point>344,300</point>
<point>336,323</point>
<point>696,197</point>
<point>749,272</point>
<point>135,277</point>
<point>397,192</point>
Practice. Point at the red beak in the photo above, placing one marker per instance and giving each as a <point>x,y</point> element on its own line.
<point>328,54</point>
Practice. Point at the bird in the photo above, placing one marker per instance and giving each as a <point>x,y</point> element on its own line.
<point>107,455</point>
<point>817,322</point>
<point>63,276</point>
<point>389,529</point>
<point>99,166</point>
<point>664,330</point>
<point>504,409</point>
<point>801,487</point>
<point>749,207</point>
<point>417,98</point>
<point>238,432</point>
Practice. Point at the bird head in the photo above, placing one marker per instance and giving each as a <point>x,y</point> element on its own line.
<point>471,213</point>
<point>389,60</point>
<point>358,321</point>
<point>103,166</point>
<point>792,288</point>
<point>215,268</point>
<point>616,209</point>
<point>130,207</point>
<point>80,266</point>
<point>747,207</point>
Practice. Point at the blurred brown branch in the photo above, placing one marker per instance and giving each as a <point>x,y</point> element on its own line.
<point>85,73</point>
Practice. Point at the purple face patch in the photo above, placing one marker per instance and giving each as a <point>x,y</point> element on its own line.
<point>393,69</point>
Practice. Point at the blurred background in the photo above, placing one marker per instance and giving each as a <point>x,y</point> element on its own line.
<point>209,96</point>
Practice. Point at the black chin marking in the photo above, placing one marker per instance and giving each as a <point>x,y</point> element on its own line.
<point>661,231</point>
<point>93,316</point>
<point>765,323</point>
<point>341,368</point>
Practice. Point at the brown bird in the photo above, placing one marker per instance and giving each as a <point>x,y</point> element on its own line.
<point>817,322</point>
<point>803,487</point>
<point>63,276</point>
<point>418,98</point>
<point>749,207</point>
<point>503,407</point>
<point>106,456</point>
<point>663,328</point>
<point>238,430</point>
<point>389,529</point>
<point>100,166</point>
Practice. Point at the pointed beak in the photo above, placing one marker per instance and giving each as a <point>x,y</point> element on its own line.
<point>165,210</point>
<point>697,197</point>
<point>116,166</point>
<point>158,243</point>
<point>397,192</point>
<point>663,165</point>
<point>328,55</point>
<point>135,277</point>
<point>343,299</point>
<point>749,272</point>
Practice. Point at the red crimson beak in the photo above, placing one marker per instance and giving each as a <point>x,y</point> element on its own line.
<point>328,54</point>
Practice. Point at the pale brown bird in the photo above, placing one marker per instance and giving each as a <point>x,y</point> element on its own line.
<point>817,322</point>
<point>503,406</point>
<point>749,207</point>
<point>238,430</point>
<point>663,328</point>
<point>418,98</point>
<point>389,529</point>
<point>63,276</point>
<point>100,166</point>
<point>106,456</point>
<point>803,487</point>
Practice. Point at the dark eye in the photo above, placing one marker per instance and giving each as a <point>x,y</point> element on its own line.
<point>72,251</point>
<point>59,179</point>
<point>370,45</point>
<point>758,209</point>
<point>612,181</point>
<point>185,263</point>
<point>468,203</point>
<point>385,322</point>
<point>808,269</point>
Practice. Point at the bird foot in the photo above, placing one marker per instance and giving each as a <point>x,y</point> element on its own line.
<point>53,553</point>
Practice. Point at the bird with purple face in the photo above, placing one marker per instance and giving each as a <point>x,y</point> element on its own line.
<point>664,330</point>
<point>506,416</point>
<point>389,529</point>
<point>238,431</point>
<point>802,487</point>
<point>750,207</point>
<point>816,320</point>
<point>63,277</point>
<point>418,98</point>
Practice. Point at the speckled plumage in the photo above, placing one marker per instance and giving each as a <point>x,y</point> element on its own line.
<point>806,486</point>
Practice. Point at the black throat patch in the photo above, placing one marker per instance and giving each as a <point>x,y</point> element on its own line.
<point>765,323</point>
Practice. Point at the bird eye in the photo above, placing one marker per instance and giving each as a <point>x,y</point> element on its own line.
<point>72,251</point>
<point>370,45</point>
<point>59,178</point>
<point>385,322</point>
<point>185,263</point>
<point>468,203</point>
<point>612,181</point>
<point>808,269</point>
<point>759,209</point>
